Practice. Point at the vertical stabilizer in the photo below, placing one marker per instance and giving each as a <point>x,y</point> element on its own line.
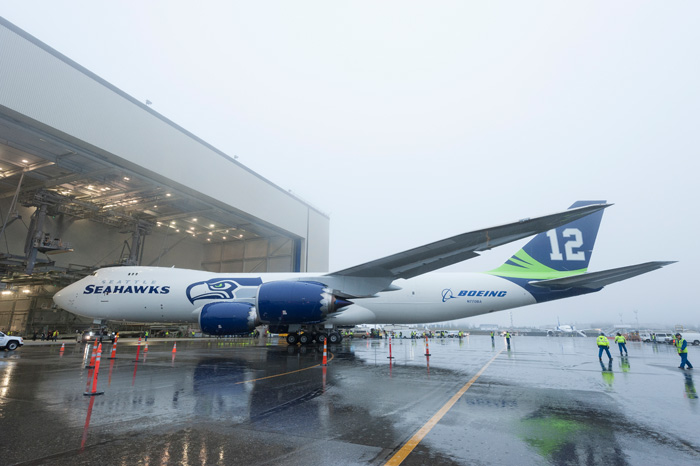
<point>556,253</point>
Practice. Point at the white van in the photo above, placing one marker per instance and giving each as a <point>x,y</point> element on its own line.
<point>693,338</point>
<point>664,337</point>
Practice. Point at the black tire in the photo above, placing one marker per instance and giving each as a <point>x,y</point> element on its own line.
<point>305,338</point>
<point>321,337</point>
<point>12,345</point>
<point>334,338</point>
<point>292,338</point>
<point>696,342</point>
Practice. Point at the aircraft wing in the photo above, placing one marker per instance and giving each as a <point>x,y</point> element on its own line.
<point>597,280</point>
<point>371,277</point>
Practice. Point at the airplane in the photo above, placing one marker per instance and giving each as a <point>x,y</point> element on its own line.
<point>396,289</point>
<point>565,329</point>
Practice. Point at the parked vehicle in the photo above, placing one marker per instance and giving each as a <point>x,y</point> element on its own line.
<point>89,336</point>
<point>693,338</point>
<point>664,337</point>
<point>10,342</point>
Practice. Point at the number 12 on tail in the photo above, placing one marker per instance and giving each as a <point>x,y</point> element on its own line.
<point>575,241</point>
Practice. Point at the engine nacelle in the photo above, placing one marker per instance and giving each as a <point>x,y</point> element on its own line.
<point>288,302</point>
<point>228,318</point>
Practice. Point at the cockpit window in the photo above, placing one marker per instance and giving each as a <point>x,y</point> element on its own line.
<point>93,274</point>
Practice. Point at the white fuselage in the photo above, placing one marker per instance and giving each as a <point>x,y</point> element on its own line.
<point>155,294</point>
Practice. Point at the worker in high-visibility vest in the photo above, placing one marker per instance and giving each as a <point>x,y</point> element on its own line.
<point>603,344</point>
<point>620,340</point>
<point>492,337</point>
<point>682,347</point>
<point>508,338</point>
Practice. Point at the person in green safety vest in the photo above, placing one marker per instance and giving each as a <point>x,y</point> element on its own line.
<point>492,341</point>
<point>682,347</point>
<point>620,340</point>
<point>508,338</point>
<point>603,344</point>
<point>145,334</point>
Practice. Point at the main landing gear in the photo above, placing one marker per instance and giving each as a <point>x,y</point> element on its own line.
<point>306,338</point>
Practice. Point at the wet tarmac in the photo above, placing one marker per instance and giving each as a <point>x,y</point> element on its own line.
<point>545,401</point>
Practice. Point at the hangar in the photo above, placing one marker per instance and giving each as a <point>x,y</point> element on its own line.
<point>91,177</point>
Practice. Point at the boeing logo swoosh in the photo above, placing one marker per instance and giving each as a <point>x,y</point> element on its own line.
<point>447,294</point>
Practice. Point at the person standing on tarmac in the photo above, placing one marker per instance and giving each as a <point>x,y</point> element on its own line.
<point>682,347</point>
<point>620,340</point>
<point>603,344</point>
<point>492,341</point>
<point>508,338</point>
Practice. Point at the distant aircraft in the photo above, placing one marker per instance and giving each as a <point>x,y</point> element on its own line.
<point>396,289</point>
<point>565,329</point>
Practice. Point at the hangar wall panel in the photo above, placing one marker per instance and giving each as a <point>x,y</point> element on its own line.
<point>259,255</point>
<point>233,251</point>
<point>317,238</point>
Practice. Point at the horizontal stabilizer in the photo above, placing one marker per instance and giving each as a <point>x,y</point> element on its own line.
<point>597,280</point>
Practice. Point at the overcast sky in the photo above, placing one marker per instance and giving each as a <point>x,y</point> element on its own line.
<point>411,121</point>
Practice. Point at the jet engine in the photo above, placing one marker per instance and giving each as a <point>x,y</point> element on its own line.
<point>225,318</point>
<point>296,302</point>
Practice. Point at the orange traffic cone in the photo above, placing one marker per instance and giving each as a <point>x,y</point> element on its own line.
<point>325,357</point>
<point>63,347</point>
<point>145,348</point>
<point>94,377</point>
<point>174,347</point>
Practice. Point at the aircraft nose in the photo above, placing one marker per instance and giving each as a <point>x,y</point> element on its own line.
<point>65,298</point>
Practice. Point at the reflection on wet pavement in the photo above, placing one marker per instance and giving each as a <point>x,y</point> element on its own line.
<point>544,401</point>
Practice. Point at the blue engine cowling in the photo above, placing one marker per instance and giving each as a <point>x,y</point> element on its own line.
<point>228,318</point>
<point>291,302</point>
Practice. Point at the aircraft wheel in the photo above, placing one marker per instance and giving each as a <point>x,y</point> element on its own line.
<point>305,338</point>
<point>335,338</point>
<point>292,338</point>
<point>321,337</point>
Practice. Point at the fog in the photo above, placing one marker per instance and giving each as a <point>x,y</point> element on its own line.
<point>408,122</point>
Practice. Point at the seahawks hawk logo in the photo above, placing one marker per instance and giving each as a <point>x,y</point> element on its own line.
<point>219,288</point>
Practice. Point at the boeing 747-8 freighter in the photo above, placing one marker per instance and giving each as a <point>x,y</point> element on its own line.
<point>397,289</point>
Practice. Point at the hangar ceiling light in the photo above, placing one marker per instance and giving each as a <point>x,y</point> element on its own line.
<point>87,185</point>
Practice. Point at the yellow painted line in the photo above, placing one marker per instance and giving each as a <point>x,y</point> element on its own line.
<point>432,422</point>
<point>330,358</point>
